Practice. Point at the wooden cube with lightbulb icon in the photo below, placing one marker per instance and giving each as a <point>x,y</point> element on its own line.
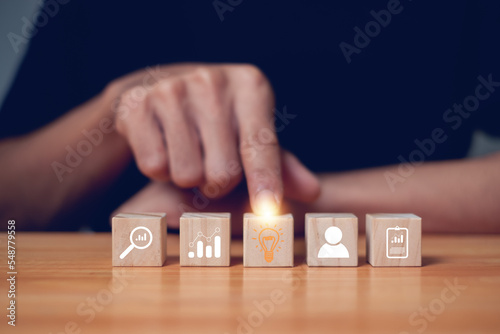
<point>268,240</point>
<point>139,239</point>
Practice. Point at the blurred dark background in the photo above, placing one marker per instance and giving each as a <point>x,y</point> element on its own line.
<point>364,112</point>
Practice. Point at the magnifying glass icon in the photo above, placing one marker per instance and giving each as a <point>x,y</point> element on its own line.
<point>139,238</point>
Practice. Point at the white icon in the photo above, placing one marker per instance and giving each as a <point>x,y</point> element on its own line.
<point>138,240</point>
<point>396,241</point>
<point>208,248</point>
<point>333,249</point>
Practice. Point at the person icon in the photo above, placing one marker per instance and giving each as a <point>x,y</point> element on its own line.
<point>333,248</point>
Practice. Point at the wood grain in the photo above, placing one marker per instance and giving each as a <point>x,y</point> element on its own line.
<point>60,272</point>
<point>268,241</point>
<point>208,229</point>
<point>128,250</point>
<point>382,231</point>
<point>316,228</point>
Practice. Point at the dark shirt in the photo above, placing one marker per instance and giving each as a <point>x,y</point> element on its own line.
<point>353,100</point>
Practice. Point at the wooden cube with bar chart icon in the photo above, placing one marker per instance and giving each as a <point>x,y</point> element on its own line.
<point>393,240</point>
<point>205,239</point>
<point>139,239</point>
<point>268,240</point>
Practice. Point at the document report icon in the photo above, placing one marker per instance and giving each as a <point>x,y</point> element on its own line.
<point>396,241</point>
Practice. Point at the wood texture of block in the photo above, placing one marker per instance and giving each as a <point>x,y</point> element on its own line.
<point>205,239</point>
<point>393,240</point>
<point>459,293</point>
<point>139,239</point>
<point>331,239</point>
<point>268,241</point>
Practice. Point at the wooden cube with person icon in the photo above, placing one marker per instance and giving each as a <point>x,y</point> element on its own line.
<point>331,239</point>
<point>139,239</point>
<point>268,240</point>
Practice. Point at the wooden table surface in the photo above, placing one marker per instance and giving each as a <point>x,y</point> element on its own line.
<point>66,284</point>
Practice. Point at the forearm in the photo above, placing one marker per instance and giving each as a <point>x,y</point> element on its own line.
<point>48,171</point>
<point>453,196</point>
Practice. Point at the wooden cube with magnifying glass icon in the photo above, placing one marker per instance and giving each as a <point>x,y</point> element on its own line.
<point>139,239</point>
<point>268,240</point>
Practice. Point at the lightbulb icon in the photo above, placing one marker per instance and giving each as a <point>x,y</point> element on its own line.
<point>269,239</point>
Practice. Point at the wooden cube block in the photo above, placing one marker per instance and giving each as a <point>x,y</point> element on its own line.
<point>267,241</point>
<point>139,239</point>
<point>393,240</point>
<point>331,239</point>
<point>205,239</point>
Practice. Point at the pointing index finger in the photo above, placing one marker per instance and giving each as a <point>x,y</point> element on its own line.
<point>259,147</point>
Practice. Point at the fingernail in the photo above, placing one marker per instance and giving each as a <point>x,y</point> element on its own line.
<point>265,203</point>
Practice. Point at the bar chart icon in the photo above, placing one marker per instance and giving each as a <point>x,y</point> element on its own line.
<point>141,237</point>
<point>208,248</point>
<point>397,239</point>
<point>396,242</point>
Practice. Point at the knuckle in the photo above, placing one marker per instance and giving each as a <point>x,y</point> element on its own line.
<point>113,89</point>
<point>120,125</point>
<point>265,176</point>
<point>258,146</point>
<point>187,175</point>
<point>173,87</point>
<point>251,75</point>
<point>219,183</point>
<point>209,77</point>
<point>210,84</point>
<point>132,97</point>
<point>130,102</point>
<point>153,165</point>
<point>124,103</point>
<point>261,139</point>
<point>224,178</point>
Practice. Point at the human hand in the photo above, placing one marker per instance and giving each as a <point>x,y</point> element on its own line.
<point>198,126</point>
<point>168,198</point>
